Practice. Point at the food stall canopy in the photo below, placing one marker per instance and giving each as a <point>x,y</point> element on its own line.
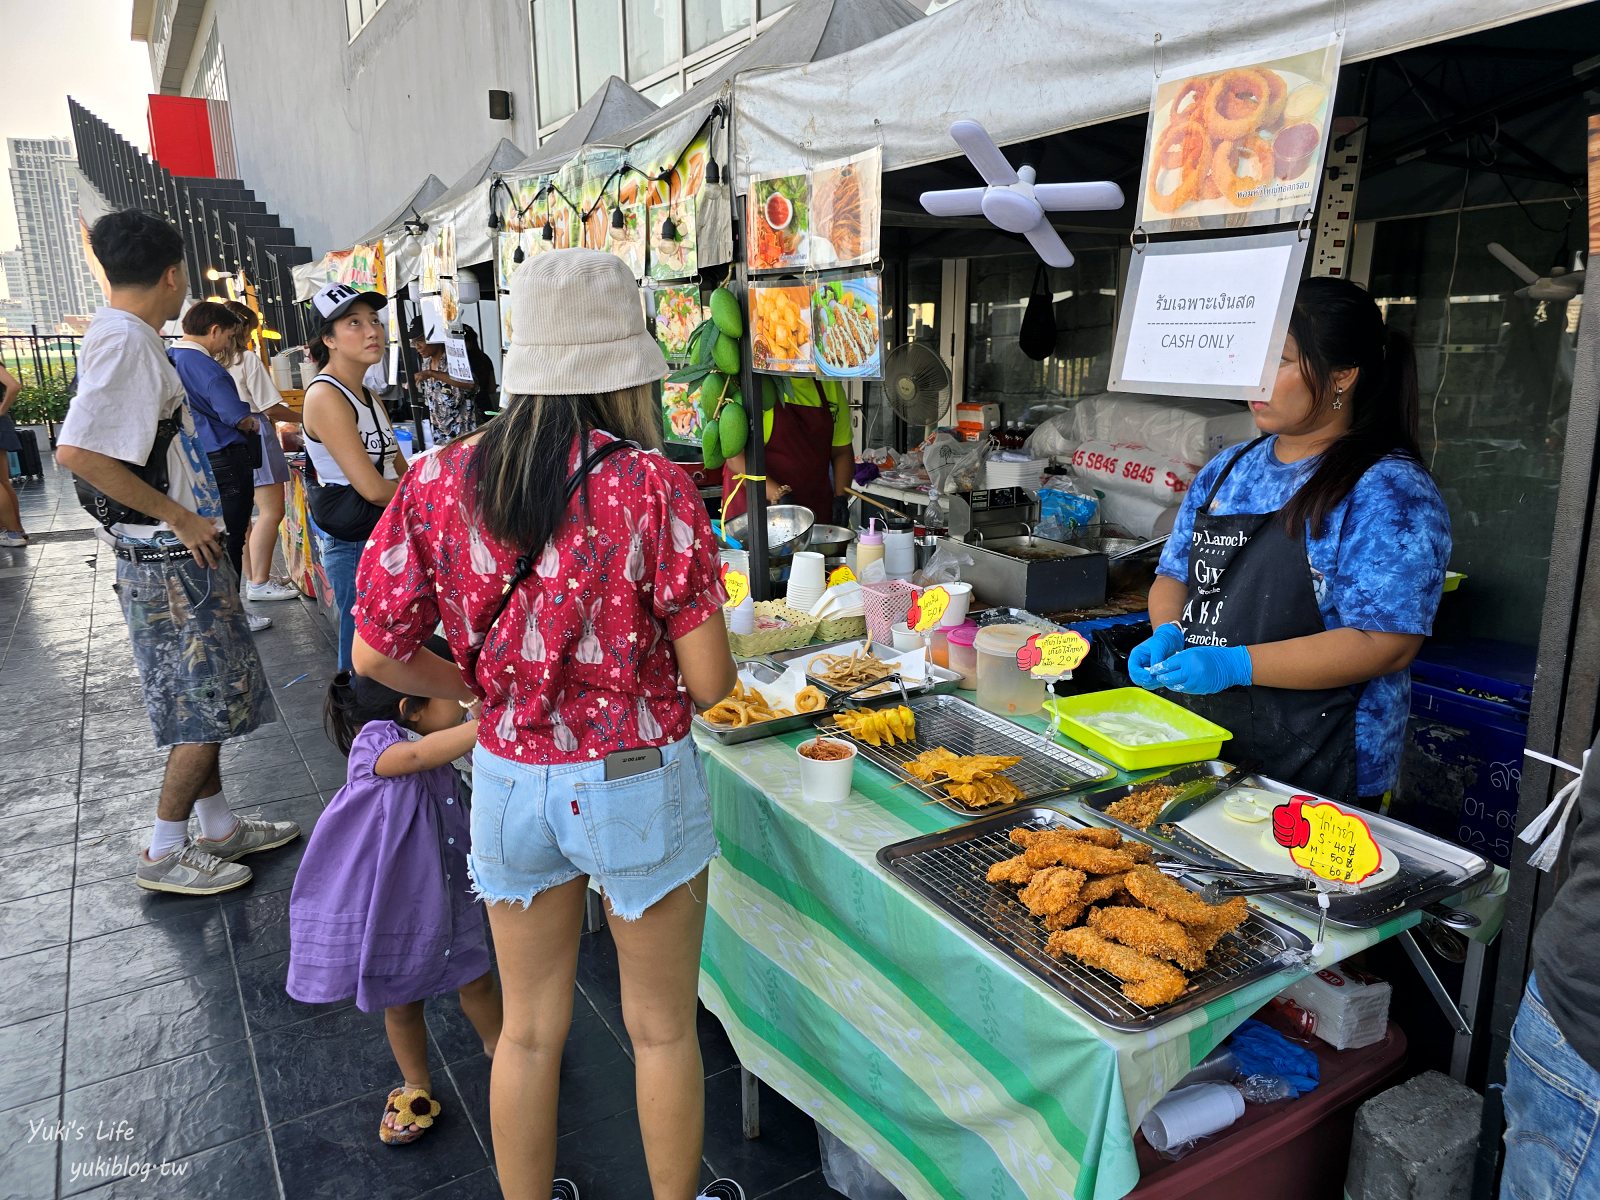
<point>1026,69</point>
<point>615,105</point>
<point>309,277</point>
<point>466,206</point>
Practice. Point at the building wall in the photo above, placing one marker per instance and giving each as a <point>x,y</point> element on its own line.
<point>44,188</point>
<point>331,133</point>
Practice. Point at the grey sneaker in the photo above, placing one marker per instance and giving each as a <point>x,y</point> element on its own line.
<point>257,624</point>
<point>190,871</point>
<point>249,837</point>
<point>11,540</point>
<point>270,590</point>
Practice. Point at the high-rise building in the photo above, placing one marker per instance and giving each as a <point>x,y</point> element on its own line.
<point>13,275</point>
<point>44,188</point>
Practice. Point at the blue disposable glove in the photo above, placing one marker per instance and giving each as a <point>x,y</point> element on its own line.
<point>1161,645</point>
<point>1204,670</point>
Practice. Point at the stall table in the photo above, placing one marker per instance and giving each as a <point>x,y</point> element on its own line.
<point>952,1072</point>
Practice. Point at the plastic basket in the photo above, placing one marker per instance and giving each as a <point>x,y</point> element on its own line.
<point>797,630</point>
<point>1201,738</point>
<point>887,604</point>
<point>842,629</point>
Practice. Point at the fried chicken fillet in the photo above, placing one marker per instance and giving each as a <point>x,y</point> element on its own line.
<point>1146,981</point>
<point>1051,890</point>
<point>1142,930</point>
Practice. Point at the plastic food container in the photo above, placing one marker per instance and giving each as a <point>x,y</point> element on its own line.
<point>963,654</point>
<point>1201,738</point>
<point>1003,687</point>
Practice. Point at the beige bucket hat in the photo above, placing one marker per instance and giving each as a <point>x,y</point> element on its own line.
<point>577,327</point>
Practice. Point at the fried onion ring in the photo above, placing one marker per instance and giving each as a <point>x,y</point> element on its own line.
<point>1186,145</point>
<point>1236,104</point>
<point>1277,98</point>
<point>1225,168</point>
<point>1196,89</point>
<point>808,699</point>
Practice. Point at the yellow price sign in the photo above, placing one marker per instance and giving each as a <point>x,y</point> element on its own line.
<point>737,584</point>
<point>1327,841</point>
<point>1050,655</point>
<point>841,575</point>
<point>928,609</point>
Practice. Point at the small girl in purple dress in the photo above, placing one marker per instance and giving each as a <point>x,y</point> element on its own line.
<point>382,907</point>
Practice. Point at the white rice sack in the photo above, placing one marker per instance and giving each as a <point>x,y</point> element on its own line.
<point>1190,430</point>
<point>1133,470</point>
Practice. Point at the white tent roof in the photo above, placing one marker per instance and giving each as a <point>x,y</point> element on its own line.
<point>1029,68</point>
<point>310,277</point>
<point>466,205</point>
<point>615,105</point>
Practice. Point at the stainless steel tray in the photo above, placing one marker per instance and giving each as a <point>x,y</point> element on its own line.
<point>1046,769</point>
<point>941,681</point>
<point>764,672</point>
<point>948,870</point>
<point>1431,868</point>
<point>1016,616</point>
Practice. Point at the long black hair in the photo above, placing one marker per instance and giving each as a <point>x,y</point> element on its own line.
<point>519,474</point>
<point>354,700</point>
<point>1337,325</point>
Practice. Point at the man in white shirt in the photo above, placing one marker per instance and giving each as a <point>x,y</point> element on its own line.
<point>161,514</point>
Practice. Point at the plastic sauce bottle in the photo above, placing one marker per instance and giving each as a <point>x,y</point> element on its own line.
<point>869,548</point>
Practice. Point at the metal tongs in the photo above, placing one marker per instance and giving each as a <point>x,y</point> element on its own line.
<point>841,701</point>
<point>1228,881</point>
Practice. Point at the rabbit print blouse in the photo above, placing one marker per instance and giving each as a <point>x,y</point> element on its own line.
<point>581,663</point>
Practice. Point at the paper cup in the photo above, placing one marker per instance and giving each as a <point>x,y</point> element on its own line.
<point>808,571</point>
<point>827,782</point>
<point>960,601</point>
<point>1190,1113</point>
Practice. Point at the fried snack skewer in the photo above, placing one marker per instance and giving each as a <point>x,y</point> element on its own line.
<point>1146,981</point>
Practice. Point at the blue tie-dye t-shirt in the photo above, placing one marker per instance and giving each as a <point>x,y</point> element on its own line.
<point>1379,565</point>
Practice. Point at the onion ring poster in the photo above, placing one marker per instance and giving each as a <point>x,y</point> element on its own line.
<point>1232,145</point>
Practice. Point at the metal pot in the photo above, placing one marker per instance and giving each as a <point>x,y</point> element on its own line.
<point>1131,562</point>
<point>787,527</point>
<point>831,540</point>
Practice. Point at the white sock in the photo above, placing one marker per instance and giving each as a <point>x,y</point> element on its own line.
<point>167,837</point>
<point>216,818</point>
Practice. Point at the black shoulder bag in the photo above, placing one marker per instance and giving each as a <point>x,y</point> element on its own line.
<point>109,512</point>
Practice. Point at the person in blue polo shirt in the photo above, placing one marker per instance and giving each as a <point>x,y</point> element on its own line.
<point>225,424</point>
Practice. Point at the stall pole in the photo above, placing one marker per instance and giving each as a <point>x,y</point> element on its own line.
<point>755,450</point>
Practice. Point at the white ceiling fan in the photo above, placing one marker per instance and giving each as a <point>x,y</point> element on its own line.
<point>1560,285</point>
<point>1013,201</point>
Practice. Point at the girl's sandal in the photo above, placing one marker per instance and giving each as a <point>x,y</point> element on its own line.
<point>407,1115</point>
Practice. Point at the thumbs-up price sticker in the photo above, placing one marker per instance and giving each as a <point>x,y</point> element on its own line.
<point>1327,841</point>
<point>928,609</point>
<point>1051,655</point>
<point>737,585</point>
<point>841,575</point>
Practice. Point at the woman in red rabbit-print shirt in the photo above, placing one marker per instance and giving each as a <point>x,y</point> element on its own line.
<point>587,621</point>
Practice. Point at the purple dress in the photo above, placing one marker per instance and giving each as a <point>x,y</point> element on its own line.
<point>382,907</point>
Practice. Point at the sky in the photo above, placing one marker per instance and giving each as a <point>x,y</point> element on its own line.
<point>59,48</point>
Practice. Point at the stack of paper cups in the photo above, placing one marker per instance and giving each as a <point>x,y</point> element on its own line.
<point>808,579</point>
<point>899,553</point>
<point>1190,1113</point>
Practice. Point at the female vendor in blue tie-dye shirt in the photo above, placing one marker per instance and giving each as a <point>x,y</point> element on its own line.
<point>1305,568</point>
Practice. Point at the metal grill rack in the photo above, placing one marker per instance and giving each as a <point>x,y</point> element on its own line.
<point>1046,769</point>
<point>949,869</point>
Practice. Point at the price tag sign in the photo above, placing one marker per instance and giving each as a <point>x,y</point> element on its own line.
<point>841,575</point>
<point>1051,655</point>
<point>1327,841</point>
<point>927,610</point>
<point>737,584</point>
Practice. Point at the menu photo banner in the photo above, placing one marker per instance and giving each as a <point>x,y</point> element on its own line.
<point>1207,317</point>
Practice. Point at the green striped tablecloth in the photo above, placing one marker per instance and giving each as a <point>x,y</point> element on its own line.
<point>955,1072</point>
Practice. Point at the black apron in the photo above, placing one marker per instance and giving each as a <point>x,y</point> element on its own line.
<point>1249,584</point>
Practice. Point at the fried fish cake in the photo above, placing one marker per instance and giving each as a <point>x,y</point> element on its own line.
<point>1142,930</point>
<point>1013,870</point>
<point>1146,981</point>
<point>1051,890</point>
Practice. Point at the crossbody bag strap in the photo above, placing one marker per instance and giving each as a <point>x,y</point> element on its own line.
<point>525,560</point>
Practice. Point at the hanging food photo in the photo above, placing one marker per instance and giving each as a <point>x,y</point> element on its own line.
<point>445,248</point>
<point>847,328</point>
<point>429,267</point>
<point>780,320</point>
<point>678,313</point>
<point>1237,145</point>
<point>681,417</point>
<point>449,301</point>
<point>779,222</point>
<point>846,211</point>
<point>628,243</point>
<point>673,253</point>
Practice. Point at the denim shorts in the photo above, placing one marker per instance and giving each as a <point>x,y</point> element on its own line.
<point>198,668</point>
<point>1552,1107</point>
<point>535,827</point>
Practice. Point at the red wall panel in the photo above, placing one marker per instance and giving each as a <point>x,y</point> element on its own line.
<point>180,135</point>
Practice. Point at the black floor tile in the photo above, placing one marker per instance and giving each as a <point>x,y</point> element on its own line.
<point>266,1005</point>
<point>111,855</point>
<point>32,985</point>
<point>30,1061</point>
<point>34,923</point>
<point>173,1110</point>
<point>35,872</point>
<point>145,955</point>
<point>108,905</point>
<point>809,1187</point>
<point>42,794</point>
<point>597,969</point>
<point>786,1149</point>
<point>451,1035</point>
<point>118,812</point>
<point>139,1029</point>
<point>28,1149</point>
<point>482,1186</point>
<point>322,1062</point>
<point>606,1160</point>
<point>35,830</point>
<point>258,925</point>
<point>238,1170</point>
<point>336,1154</point>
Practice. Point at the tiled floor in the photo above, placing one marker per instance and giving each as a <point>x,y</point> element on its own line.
<point>147,1047</point>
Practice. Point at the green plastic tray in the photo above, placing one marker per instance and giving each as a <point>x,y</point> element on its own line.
<point>1204,739</point>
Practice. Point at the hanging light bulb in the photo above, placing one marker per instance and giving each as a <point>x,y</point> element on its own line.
<point>548,233</point>
<point>617,221</point>
<point>669,229</point>
<point>517,255</point>
<point>713,172</point>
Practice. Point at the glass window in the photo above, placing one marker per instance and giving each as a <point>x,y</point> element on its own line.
<point>358,12</point>
<point>663,93</point>
<point>552,60</point>
<point>768,7</point>
<point>655,35</point>
<point>709,21</point>
<point>1084,298</point>
<point>599,44</point>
